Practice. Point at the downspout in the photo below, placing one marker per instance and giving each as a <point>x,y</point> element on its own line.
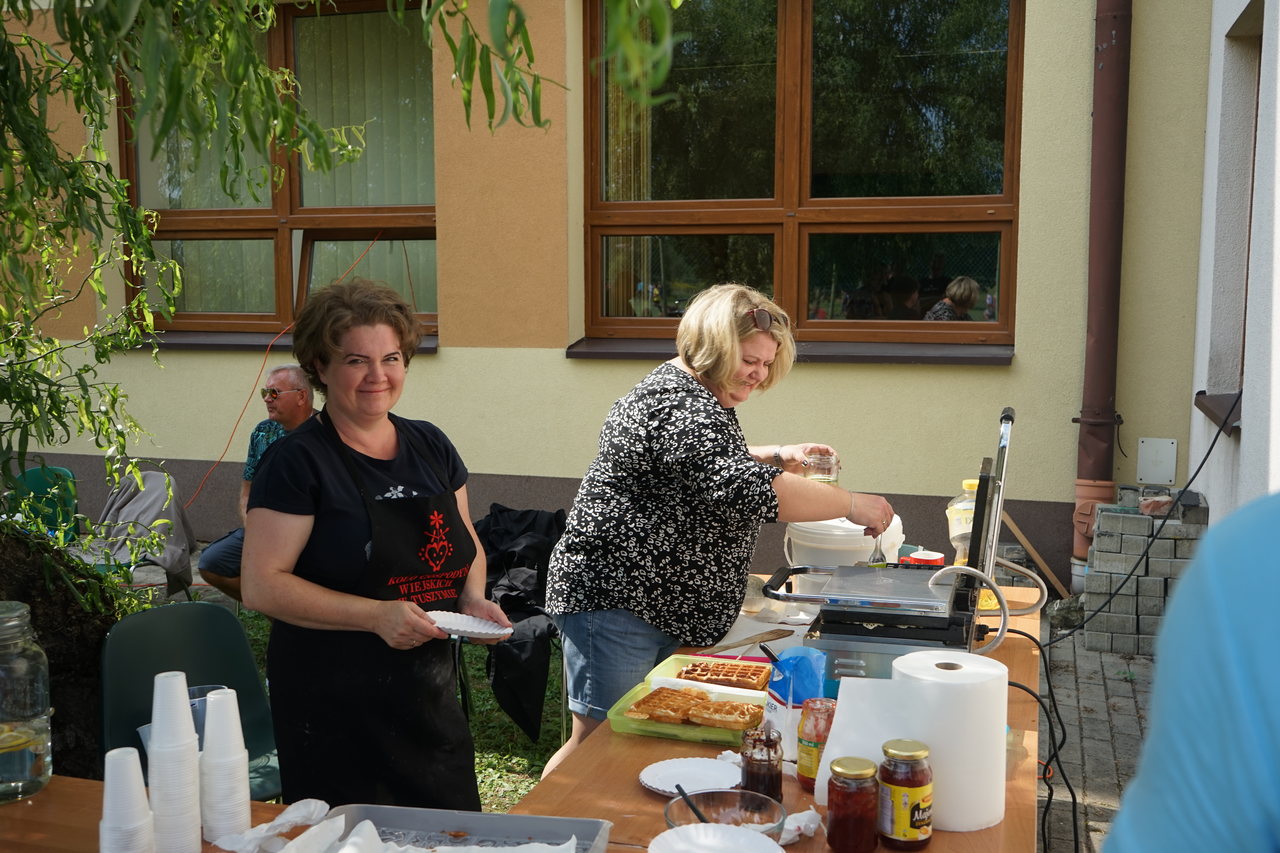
<point>1095,463</point>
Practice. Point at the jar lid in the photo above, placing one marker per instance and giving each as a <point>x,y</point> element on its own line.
<point>851,767</point>
<point>906,749</point>
<point>969,485</point>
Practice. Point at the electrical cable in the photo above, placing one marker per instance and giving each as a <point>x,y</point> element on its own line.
<point>995,590</point>
<point>265,355</point>
<point>1039,581</point>
<point>1155,533</point>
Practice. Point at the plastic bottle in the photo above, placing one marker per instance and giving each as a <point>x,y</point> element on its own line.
<point>960,520</point>
<point>26,760</point>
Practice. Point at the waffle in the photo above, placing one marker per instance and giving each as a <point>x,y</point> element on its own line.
<point>731,673</point>
<point>727,715</point>
<point>666,704</point>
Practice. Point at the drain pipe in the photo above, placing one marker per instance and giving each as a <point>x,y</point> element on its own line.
<point>1095,462</point>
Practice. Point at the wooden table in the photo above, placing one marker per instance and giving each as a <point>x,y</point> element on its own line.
<point>63,818</point>
<point>600,778</point>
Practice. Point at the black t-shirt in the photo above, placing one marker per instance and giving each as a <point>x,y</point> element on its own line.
<point>303,474</point>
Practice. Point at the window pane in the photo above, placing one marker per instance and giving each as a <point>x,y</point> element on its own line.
<point>656,275</point>
<point>908,97</point>
<point>716,139</point>
<point>172,181</point>
<point>899,276</point>
<point>408,266</point>
<point>368,75</point>
<point>221,276</point>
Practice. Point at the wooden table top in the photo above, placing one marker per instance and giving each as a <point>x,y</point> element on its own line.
<point>601,778</point>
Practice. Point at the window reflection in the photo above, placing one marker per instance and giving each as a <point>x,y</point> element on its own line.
<point>899,276</point>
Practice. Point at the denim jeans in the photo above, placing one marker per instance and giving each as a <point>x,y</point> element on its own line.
<point>606,653</point>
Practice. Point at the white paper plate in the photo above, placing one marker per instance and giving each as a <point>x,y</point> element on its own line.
<point>463,625</point>
<point>693,774</point>
<point>712,838</point>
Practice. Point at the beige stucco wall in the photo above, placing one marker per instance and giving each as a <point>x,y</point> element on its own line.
<point>510,259</point>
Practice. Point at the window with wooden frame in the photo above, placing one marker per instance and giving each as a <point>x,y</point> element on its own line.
<point>248,263</point>
<point>852,158</point>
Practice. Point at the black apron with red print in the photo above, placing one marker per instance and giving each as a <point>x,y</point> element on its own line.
<point>357,721</point>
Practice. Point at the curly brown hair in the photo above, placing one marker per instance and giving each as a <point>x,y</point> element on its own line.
<point>334,311</point>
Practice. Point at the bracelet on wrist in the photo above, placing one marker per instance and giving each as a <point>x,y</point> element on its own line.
<point>777,456</point>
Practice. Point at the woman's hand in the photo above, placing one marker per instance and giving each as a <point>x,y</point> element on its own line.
<point>872,511</point>
<point>404,625</point>
<point>484,609</point>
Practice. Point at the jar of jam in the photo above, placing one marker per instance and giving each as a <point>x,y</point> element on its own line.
<point>853,796</point>
<point>815,724</point>
<point>906,795</point>
<point>762,762</point>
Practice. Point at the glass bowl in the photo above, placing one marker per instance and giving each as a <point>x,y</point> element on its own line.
<point>730,806</point>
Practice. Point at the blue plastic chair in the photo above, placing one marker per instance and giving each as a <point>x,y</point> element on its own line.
<point>47,497</point>
<point>208,643</point>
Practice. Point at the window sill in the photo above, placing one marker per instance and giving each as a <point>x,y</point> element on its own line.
<point>252,341</point>
<point>1216,407</point>
<point>811,351</point>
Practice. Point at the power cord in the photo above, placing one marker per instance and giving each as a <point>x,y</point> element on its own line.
<point>1155,533</point>
<point>1057,743</point>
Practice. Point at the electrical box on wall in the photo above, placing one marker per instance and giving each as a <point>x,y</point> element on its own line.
<point>1157,461</point>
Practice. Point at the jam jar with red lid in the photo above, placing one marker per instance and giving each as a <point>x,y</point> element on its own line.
<point>853,796</point>
<point>906,795</point>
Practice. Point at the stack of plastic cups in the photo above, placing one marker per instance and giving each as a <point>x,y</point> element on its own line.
<point>173,760</point>
<point>224,768</point>
<point>126,825</point>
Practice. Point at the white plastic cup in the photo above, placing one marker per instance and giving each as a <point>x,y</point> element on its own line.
<point>138,838</point>
<point>222,732</point>
<point>178,833</point>
<point>171,722</point>
<point>124,796</point>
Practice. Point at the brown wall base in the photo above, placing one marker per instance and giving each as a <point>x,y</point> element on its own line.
<point>1046,524</point>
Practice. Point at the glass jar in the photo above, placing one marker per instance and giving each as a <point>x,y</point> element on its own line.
<point>906,795</point>
<point>26,761</point>
<point>853,796</point>
<point>811,737</point>
<point>960,520</point>
<point>762,762</point>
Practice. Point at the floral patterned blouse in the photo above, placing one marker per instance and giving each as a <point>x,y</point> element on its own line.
<point>667,516</point>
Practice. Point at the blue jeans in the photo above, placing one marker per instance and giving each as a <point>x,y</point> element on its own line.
<point>606,653</point>
<point>222,556</point>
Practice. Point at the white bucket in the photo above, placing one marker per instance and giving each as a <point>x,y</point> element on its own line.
<point>1079,568</point>
<point>838,542</point>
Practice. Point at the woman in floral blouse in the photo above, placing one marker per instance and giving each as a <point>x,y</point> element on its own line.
<point>661,534</point>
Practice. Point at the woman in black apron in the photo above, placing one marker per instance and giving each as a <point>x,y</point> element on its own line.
<point>357,527</point>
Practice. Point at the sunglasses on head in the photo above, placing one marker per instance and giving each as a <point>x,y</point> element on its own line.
<point>764,319</point>
<point>270,394</point>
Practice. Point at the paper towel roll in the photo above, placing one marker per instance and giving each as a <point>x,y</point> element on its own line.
<point>957,704</point>
<point>969,695</point>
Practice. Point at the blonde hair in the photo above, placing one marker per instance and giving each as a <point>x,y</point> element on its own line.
<point>963,293</point>
<point>717,321</point>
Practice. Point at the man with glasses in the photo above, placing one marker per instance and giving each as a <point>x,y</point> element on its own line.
<point>289,402</point>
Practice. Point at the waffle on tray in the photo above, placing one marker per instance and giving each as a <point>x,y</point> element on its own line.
<point>666,704</point>
<point>731,673</point>
<point>727,715</point>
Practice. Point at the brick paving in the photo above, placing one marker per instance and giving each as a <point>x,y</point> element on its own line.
<point>1104,699</point>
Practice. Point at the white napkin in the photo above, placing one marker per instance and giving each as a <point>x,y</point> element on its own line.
<point>805,822</point>
<point>264,838</point>
<point>730,756</point>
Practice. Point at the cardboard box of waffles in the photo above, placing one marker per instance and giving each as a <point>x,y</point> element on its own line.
<point>663,675</point>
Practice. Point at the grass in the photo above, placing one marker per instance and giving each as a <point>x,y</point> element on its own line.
<point>508,763</point>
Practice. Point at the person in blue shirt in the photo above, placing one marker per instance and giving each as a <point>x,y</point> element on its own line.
<point>1209,774</point>
<point>289,402</point>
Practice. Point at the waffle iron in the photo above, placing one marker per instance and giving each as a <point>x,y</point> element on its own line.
<point>870,614</point>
